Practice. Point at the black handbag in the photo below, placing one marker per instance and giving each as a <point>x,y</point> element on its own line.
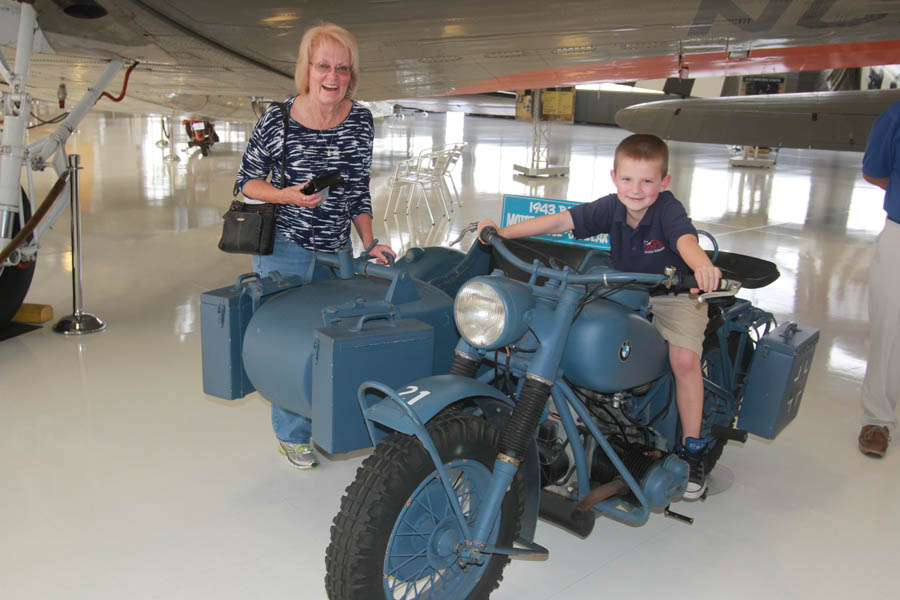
<point>250,228</point>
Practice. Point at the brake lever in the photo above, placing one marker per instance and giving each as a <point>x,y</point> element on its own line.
<point>470,228</point>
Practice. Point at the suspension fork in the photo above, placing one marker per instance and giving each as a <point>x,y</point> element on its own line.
<point>522,424</point>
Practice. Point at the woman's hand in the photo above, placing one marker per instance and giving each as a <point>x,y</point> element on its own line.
<point>380,253</point>
<point>707,277</point>
<point>293,195</point>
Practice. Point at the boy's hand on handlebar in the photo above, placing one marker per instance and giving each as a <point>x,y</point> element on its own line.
<point>482,225</point>
<point>708,278</point>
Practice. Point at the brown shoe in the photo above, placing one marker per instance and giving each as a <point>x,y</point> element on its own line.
<point>873,440</point>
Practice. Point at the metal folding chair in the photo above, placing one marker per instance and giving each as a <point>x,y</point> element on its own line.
<point>426,172</point>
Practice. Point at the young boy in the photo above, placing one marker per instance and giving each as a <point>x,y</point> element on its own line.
<point>650,230</point>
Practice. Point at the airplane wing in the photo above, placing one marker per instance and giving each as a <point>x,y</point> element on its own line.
<point>823,120</point>
<point>210,57</point>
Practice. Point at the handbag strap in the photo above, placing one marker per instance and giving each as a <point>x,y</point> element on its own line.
<point>284,119</point>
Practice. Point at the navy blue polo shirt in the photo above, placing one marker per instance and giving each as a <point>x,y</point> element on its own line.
<point>882,157</point>
<point>648,249</point>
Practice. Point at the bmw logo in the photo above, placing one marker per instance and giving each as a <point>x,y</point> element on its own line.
<point>625,350</point>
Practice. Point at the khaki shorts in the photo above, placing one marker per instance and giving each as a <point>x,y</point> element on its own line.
<point>681,320</point>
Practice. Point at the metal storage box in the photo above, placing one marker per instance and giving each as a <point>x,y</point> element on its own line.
<point>777,378</point>
<point>224,314</point>
<point>393,352</point>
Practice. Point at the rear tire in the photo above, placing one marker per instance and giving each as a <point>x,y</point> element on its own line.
<point>395,535</point>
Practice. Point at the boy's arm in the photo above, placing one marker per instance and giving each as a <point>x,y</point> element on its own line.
<point>555,223</point>
<point>706,273</point>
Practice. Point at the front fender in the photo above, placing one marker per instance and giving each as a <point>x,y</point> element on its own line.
<point>426,397</point>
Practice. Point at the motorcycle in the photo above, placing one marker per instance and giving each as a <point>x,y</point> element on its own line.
<point>201,134</point>
<point>559,403</point>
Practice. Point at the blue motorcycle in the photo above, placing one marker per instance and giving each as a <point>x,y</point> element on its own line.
<point>559,403</point>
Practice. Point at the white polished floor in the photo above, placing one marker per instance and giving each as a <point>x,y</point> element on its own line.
<point>120,479</point>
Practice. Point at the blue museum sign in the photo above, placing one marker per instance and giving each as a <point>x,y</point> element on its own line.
<point>522,208</point>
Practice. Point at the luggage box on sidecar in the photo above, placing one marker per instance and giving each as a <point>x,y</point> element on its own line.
<point>224,315</point>
<point>777,378</point>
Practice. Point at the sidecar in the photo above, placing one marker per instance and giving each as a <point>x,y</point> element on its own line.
<point>307,348</point>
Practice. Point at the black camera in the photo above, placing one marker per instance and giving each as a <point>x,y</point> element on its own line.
<point>330,178</point>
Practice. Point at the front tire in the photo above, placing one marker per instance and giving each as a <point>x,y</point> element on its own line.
<point>396,533</point>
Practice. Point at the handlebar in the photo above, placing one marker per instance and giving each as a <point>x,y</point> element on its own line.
<point>488,234</point>
<point>670,280</point>
<point>727,287</point>
<point>347,266</point>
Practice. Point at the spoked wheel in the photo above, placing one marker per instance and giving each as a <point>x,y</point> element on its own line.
<point>15,280</point>
<point>396,535</point>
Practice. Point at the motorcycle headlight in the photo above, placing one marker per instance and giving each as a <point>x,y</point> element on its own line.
<point>492,312</point>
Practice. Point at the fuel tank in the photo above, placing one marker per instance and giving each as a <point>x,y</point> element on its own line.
<point>612,348</point>
<point>278,343</point>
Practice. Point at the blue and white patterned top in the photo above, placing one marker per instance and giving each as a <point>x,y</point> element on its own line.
<point>346,147</point>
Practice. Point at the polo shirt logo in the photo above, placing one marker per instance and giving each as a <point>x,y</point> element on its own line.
<point>653,246</point>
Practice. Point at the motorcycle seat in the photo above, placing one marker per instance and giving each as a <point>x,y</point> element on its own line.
<point>752,272</point>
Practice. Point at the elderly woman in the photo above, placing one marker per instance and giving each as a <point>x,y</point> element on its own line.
<point>326,130</point>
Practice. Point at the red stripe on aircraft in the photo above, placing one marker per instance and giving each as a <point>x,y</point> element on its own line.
<point>714,64</point>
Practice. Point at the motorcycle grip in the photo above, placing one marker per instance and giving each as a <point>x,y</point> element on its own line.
<point>488,234</point>
<point>688,282</point>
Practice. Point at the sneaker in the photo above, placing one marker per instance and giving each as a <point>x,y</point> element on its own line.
<point>873,440</point>
<point>694,454</point>
<point>300,456</point>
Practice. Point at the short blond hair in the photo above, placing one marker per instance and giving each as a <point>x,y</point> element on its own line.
<point>643,146</point>
<point>313,38</point>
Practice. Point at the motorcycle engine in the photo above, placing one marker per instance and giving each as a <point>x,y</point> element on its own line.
<point>632,441</point>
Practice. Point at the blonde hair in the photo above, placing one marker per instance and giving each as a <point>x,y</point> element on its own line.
<point>313,38</point>
<point>643,146</point>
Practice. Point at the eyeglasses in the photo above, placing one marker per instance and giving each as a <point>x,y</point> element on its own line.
<point>325,68</point>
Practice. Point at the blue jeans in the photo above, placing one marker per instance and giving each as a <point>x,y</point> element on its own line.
<point>289,258</point>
